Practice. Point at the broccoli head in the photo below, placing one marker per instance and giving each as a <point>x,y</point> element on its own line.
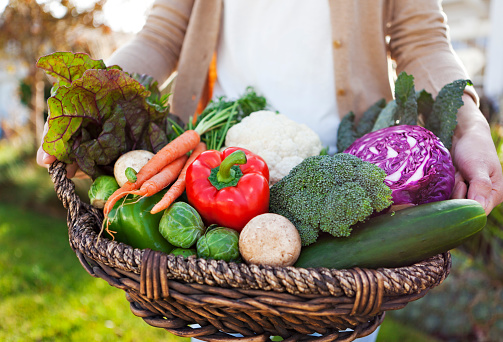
<point>330,194</point>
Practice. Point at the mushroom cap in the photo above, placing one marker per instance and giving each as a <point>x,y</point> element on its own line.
<point>270,239</point>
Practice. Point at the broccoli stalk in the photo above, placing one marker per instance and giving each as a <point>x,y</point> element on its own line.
<point>330,194</point>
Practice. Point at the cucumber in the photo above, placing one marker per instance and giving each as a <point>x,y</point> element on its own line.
<point>400,238</point>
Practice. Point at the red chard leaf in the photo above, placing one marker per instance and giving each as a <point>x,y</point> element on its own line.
<point>67,66</point>
<point>96,115</point>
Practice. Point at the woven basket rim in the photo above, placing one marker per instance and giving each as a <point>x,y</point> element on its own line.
<point>83,219</point>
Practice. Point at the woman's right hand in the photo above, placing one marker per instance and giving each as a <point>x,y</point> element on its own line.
<point>44,159</point>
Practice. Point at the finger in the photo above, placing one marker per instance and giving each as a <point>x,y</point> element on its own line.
<point>496,196</point>
<point>43,158</point>
<point>460,187</point>
<point>80,174</point>
<point>71,170</point>
<point>40,157</point>
<point>480,189</point>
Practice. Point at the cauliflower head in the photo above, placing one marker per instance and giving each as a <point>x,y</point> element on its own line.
<point>280,141</point>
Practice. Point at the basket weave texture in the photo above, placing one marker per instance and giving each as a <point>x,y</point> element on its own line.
<point>211,299</point>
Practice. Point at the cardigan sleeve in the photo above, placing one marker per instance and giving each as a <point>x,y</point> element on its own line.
<point>419,43</point>
<point>156,48</point>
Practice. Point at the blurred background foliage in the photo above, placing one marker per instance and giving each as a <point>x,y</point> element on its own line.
<point>30,30</point>
<point>45,293</point>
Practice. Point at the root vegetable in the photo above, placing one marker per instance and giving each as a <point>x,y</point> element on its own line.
<point>177,189</point>
<point>270,239</point>
<point>134,159</point>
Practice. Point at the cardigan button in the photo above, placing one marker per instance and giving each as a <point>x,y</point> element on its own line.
<point>337,44</point>
<point>341,92</point>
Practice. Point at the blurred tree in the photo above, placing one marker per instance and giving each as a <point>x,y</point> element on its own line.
<point>30,29</point>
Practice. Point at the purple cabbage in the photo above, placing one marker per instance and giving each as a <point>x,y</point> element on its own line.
<point>418,166</point>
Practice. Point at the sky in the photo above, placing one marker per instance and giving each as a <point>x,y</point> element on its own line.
<point>124,15</point>
<point>121,15</point>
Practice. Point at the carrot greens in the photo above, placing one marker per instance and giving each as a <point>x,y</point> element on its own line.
<point>221,114</point>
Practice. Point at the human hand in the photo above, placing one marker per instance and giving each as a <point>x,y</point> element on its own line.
<point>44,159</point>
<point>478,169</point>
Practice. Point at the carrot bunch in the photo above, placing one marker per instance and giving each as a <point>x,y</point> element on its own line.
<point>177,189</point>
<point>161,170</point>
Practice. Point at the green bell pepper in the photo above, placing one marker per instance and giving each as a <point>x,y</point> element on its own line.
<point>134,225</point>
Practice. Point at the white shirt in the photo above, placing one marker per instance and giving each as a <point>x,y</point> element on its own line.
<point>283,49</point>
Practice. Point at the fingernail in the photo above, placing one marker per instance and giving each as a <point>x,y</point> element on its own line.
<point>46,156</point>
<point>481,200</point>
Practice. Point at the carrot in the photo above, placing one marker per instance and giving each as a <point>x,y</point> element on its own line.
<point>178,187</point>
<point>161,180</point>
<point>117,195</point>
<point>176,148</point>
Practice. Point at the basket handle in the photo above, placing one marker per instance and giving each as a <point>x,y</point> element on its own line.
<point>369,292</point>
<point>153,275</point>
<point>65,190</point>
<point>65,187</point>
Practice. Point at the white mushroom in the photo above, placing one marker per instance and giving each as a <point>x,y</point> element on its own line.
<point>270,239</point>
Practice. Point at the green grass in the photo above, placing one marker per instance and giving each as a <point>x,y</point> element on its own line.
<point>46,295</point>
<point>394,331</point>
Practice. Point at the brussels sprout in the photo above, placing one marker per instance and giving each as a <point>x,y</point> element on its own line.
<point>186,252</point>
<point>181,225</point>
<point>102,188</point>
<point>219,243</point>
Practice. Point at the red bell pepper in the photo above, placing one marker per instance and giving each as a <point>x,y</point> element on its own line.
<point>228,188</point>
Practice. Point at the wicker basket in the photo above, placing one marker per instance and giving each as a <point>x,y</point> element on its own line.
<point>211,299</point>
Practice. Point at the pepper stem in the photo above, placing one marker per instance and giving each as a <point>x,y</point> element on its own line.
<point>225,173</point>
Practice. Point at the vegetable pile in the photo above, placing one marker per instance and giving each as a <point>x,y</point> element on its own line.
<point>241,183</point>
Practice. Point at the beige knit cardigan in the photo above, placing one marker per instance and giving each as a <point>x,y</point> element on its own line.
<point>370,39</point>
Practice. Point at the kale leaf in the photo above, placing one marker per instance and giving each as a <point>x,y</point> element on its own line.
<point>408,108</point>
<point>348,132</point>
<point>369,118</point>
<point>442,120</point>
<point>405,97</point>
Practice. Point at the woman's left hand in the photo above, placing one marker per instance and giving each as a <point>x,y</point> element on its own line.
<point>478,169</point>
